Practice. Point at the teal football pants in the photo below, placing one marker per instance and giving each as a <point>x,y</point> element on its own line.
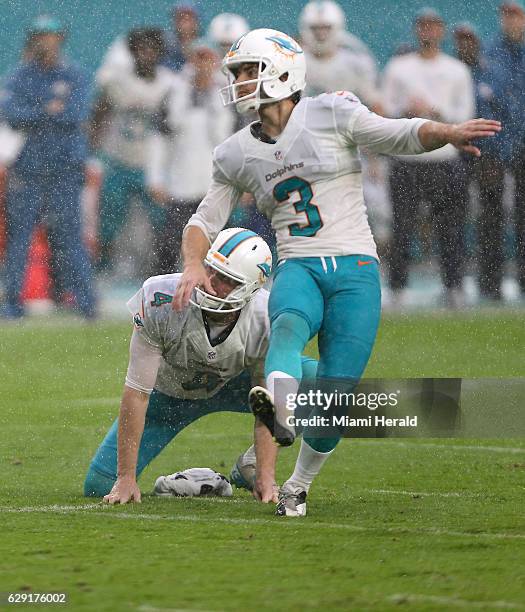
<point>338,298</point>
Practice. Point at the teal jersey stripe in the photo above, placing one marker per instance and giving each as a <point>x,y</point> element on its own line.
<point>233,242</point>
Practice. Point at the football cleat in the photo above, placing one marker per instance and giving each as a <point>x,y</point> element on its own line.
<point>263,407</point>
<point>242,474</point>
<point>292,501</point>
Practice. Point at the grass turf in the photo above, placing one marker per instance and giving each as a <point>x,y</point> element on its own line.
<point>421,524</point>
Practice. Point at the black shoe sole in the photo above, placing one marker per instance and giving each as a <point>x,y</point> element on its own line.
<point>264,410</point>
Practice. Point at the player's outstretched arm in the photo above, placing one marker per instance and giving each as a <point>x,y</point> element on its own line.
<point>195,245</point>
<point>130,428</point>
<point>434,135</point>
<point>265,489</point>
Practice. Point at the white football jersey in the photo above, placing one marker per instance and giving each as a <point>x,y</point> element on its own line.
<point>192,366</point>
<point>309,181</point>
<point>135,104</point>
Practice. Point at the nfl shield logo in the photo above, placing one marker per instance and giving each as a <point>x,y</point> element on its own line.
<point>278,155</point>
<point>211,355</point>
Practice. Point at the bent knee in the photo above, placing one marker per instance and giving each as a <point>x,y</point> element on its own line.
<point>291,327</point>
<point>97,484</point>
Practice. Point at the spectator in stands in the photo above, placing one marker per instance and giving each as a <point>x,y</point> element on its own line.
<point>225,29</point>
<point>428,83</point>
<point>46,98</point>
<point>507,55</point>
<point>185,25</point>
<point>129,103</point>
<point>488,170</point>
<point>184,32</point>
<point>179,159</point>
<point>335,59</point>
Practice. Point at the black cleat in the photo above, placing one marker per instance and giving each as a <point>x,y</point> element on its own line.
<point>263,407</point>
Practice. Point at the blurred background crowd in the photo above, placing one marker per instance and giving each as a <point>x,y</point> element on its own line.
<point>100,172</point>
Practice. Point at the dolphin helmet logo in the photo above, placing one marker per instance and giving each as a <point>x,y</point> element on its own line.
<point>235,47</point>
<point>286,45</point>
<point>265,269</point>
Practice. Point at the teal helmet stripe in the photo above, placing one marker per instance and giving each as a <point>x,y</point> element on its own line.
<point>233,242</point>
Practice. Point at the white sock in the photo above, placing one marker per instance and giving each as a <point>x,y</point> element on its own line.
<point>288,385</point>
<point>308,465</point>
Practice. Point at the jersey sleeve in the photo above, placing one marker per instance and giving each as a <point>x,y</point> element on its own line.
<point>221,198</point>
<point>151,308</point>
<point>359,126</point>
<point>387,136</point>
<point>144,363</point>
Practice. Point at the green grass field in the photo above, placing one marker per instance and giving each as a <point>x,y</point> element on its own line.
<point>392,524</point>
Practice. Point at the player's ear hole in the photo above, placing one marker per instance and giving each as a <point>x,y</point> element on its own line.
<point>283,77</point>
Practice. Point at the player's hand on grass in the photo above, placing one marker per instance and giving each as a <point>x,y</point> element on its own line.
<point>265,490</point>
<point>194,275</point>
<point>461,135</point>
<point>124,490</point>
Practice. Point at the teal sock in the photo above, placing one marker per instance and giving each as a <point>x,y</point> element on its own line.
<point>322,445</point>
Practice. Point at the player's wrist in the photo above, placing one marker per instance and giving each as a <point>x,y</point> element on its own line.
<point>193,265</point>
<point>451,130</point>
<point>265,475</point>
<point>128,476</point>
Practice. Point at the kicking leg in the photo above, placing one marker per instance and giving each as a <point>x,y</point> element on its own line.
<point>351,319</point>
<point>243,472</point>
<point>296,311</point>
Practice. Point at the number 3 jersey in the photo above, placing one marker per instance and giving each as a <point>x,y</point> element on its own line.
<point>309,181</point>
<point>172,351</point>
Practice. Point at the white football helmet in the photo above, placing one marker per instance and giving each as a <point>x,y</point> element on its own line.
<point>277,55</point>
<point>322,14</point>
<point>242,256</point>
<point>225,29</point>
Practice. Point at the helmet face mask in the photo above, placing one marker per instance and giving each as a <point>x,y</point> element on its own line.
<point>244,259</point>
<point>281,69</point>
<point>247,102</point>
<point>232,302</point>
